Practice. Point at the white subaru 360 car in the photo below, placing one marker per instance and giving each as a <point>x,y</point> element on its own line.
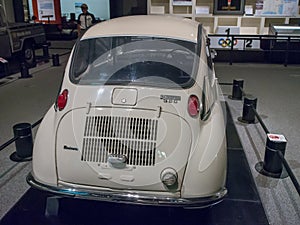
<point>138,118</point>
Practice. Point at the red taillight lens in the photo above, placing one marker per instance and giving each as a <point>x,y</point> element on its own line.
<point>193,105</point>
<point>62,100</point>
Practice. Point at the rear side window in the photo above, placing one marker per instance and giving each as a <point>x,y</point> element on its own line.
<point>132,60</point>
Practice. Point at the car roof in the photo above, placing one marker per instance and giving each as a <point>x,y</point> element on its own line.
<point>146,25</point>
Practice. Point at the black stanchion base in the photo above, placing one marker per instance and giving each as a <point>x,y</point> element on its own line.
<point>14,157</point>
<point>260,168</point>
<point>232,98</point>
<point>29,76</point>
<point>247,122</point>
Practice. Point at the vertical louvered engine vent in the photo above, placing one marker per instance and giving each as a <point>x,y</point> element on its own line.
<point>133,137</point>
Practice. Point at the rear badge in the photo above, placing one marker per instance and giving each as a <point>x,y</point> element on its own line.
<point>170,98</point>
<point>70,148</point>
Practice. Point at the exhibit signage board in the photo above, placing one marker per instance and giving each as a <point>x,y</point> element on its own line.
<point>276,137</point>
<point>229,7</point>
<point>46,9</point>
<point>280,8</point>
<point>204,10</point>
<point>182,2</point>
<point>225,42</point>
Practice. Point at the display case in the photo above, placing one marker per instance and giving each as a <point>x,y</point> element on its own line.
<point>284,29</point>
<point>204,12</point>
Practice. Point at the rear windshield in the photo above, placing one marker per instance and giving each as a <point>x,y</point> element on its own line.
<point>132,60</point>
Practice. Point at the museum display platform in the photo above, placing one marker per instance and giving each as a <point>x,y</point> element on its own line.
<point>241,206</point>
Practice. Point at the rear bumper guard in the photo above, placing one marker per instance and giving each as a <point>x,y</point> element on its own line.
<point>129,197</point>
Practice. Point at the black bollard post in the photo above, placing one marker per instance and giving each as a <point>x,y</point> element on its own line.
<point>237,93</point>
<point>249,106</point>
<point>272,164</point>
<point>24,142</point>
<point>55,59</point>
<point>24,71</point>
<point>46,53</point>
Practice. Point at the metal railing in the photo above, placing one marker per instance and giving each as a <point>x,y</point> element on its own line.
<point>272,39</point>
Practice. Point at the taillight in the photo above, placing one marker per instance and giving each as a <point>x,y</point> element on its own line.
<point>62,100</point>
<point>193,106</point>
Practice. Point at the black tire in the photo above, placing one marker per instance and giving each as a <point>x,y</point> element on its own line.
<point>28,55</point>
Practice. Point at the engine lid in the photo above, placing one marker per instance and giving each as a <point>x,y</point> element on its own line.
<point>121,148</point>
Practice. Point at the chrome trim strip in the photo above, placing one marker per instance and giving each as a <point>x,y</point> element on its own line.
<point>128,197</point>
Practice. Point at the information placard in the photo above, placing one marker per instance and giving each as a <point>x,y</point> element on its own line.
<point>182,2</point>
<point>280,7</point>
<point>46,10</point>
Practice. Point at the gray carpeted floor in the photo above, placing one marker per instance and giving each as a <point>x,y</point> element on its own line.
<point>278,90</point>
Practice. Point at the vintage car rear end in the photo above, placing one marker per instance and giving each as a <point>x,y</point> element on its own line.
<point>137,119</point>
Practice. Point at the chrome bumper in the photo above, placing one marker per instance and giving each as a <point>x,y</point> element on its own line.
<point>129,197</point>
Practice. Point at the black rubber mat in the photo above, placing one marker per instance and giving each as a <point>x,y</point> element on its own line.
<point>242,206</point>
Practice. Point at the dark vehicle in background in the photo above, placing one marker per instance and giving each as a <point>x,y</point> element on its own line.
<point>20,39</point>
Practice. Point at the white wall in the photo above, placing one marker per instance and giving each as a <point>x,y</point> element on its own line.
<point>100,8</point>
<point>9,10</point>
